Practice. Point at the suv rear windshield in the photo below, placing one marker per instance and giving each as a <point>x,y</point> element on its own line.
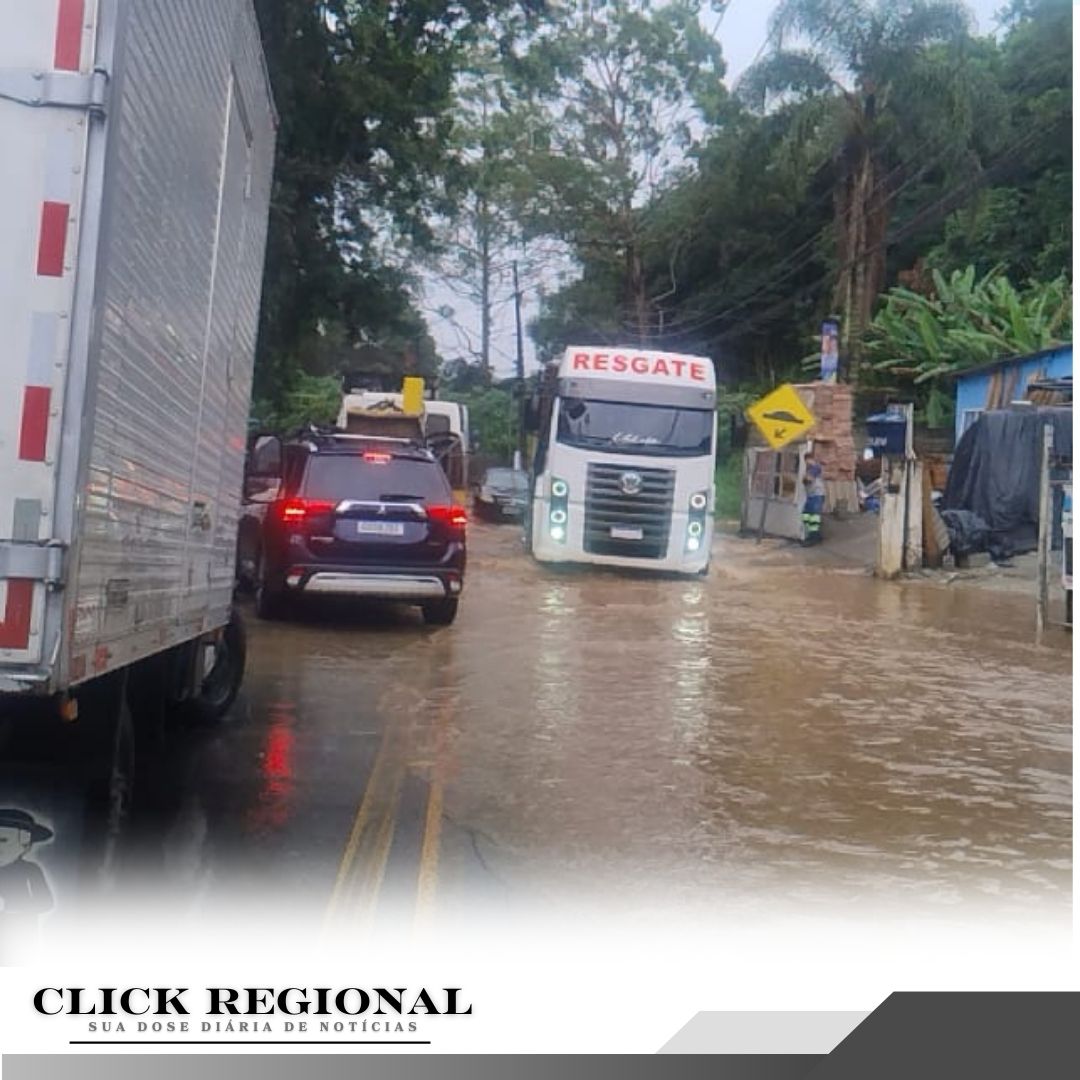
<point>348,476</point>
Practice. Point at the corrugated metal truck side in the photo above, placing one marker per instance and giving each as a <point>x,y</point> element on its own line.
<point>138,139</point>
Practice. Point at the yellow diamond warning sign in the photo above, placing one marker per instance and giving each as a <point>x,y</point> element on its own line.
<point>781,416</point>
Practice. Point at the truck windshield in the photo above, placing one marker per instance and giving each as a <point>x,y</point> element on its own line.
<point>621,427</point>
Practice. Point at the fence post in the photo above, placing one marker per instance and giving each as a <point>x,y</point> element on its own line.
<point>1042,596</point>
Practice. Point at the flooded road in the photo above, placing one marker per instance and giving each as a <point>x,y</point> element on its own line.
<point>777,733</point>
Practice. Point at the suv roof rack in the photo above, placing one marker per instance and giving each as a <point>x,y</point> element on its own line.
<point>319,437</point>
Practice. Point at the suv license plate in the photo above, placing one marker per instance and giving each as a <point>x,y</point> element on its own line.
<point>620,532</point>
<point>380,528</point>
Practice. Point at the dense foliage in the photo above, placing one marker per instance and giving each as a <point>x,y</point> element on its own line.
<point>891,141</point>
<point>961,321</point>
<point>874,143</point>
<point>365,94</point>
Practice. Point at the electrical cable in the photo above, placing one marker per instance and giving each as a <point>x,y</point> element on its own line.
<point>693,325</point>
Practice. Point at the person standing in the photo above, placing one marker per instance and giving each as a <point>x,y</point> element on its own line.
<point>814,503</point>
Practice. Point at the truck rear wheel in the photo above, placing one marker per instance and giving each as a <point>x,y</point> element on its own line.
<point>219,687</point>
<point>105,710</point>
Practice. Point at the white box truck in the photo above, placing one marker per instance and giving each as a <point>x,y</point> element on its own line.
<point>138,140</point>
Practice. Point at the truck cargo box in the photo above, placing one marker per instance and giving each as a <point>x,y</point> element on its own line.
<point>138,140</point>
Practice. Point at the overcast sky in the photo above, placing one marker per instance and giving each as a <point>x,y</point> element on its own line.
<point>745,27</point>
<point>742,33</point>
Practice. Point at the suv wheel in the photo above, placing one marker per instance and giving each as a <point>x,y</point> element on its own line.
<point>440,612</point>
<point>269,600</point>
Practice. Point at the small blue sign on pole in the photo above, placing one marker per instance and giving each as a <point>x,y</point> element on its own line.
<point>830,350</point>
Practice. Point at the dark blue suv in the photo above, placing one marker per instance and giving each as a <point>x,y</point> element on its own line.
<point>350,516</point>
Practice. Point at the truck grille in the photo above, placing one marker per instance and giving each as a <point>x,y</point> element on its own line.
<point>608,505</point>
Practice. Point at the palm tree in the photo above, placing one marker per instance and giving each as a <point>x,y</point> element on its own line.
<point>862,56</point>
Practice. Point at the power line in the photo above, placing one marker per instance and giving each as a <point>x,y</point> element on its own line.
<point>790,264</point>
<point>694,324</point>
<point>918,221</point>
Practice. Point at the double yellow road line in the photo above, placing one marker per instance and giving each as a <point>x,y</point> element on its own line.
<point>362,869</point>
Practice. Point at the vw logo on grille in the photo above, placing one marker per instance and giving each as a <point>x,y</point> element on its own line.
<point>631,483</point>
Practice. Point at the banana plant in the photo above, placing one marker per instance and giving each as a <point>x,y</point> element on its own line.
<point>966,322</point>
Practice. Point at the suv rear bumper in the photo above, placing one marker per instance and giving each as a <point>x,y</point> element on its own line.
<point>378,583</point>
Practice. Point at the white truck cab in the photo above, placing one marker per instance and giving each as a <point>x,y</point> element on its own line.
<point>624,467</point>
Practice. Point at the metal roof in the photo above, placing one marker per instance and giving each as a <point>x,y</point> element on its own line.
<point>1005,361</point>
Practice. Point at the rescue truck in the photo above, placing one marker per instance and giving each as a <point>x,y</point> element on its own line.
<point>624,462</point>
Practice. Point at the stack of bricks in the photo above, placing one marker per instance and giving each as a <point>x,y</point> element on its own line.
<point>833,440</point>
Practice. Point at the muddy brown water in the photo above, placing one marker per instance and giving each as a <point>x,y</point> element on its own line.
<point>777,730</point>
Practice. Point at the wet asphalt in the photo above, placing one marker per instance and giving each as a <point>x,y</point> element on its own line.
<point>787,729</point>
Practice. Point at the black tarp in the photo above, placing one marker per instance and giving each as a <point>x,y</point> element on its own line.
<point>995,472</point>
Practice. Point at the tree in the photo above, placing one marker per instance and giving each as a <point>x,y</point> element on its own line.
<point>1025,222</point>
<point>965,320</point>
<point>365,96</point>
<point>869,58</point>
<point>481,238</point>
<point>611,92</point>
<point>741,258</point>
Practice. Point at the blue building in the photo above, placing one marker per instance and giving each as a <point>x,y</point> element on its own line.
<point>999,383</point>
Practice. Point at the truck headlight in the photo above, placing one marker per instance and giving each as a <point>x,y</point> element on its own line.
<point>696,521</point>
<point>558,510</point>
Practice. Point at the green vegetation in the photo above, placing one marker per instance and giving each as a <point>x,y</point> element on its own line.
<point>960,322</point>
<point>493,420</point>
<point>729,486</point>
<point>872,138</point>
<point>302,399</point>
<point>873,144</point>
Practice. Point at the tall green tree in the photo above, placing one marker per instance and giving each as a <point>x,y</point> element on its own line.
<point>1023,220</point>
<point>869,59</point>
<point>480,238</point>
<point>614,93</point>
<point>364,91</point>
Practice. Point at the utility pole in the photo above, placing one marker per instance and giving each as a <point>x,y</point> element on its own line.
<point>485,288</point>
<point>519,463</point>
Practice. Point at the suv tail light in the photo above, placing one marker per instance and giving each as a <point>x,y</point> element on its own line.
<point>297,512</point>
<point>453,517</point>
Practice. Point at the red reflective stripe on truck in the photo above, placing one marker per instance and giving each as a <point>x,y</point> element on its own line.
<point>53,239</point>
<point>15,629</point>
<point>34,428</point>
<point>69,29</point>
